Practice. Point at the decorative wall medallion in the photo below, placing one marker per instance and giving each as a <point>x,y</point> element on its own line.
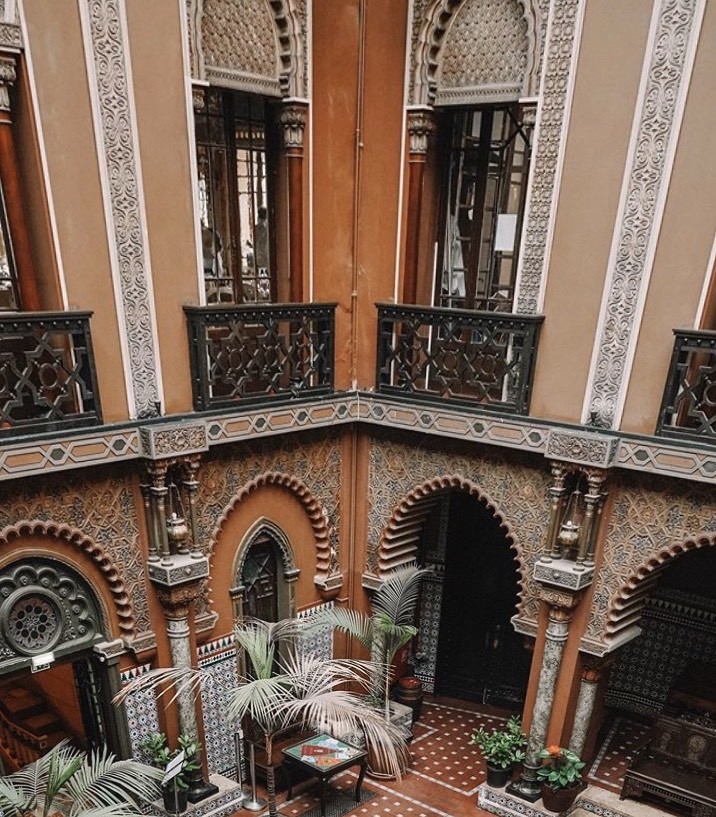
<point>45,605</point>
<point>648,172</point>
<point>547,151</point>
<point>116,141</point>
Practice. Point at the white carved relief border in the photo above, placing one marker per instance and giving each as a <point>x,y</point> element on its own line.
<point>675,28</point>
<point>555,98</point>
<point>109,70</point>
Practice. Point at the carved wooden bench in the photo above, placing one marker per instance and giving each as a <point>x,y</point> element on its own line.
<point>677,765</point>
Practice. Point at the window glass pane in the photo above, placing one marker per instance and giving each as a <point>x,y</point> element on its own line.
<point>487,179</point>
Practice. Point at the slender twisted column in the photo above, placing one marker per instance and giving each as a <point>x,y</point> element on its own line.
<point>592,501</point>
<point>557,491</point>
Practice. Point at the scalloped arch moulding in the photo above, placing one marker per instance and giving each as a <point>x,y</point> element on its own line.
<point>448,69</point>
<point>259,46</point>
<point>397,546</point>
<point>629,599</point>
<point>327,574</point>
<point>122,603</point>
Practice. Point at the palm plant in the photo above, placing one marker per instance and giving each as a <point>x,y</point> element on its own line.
<point>71,783</point>
<point>387,628</point>
<point>281,690</point>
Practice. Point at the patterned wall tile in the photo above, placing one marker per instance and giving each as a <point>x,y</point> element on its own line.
<point>141,709</point>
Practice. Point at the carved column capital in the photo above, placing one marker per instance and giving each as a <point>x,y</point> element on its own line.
<point>8,75</point>
<point>292,118</point>
<point>529,113</point>
<point>561,601</point>
<point>421,126</point>
<point>176,600</point>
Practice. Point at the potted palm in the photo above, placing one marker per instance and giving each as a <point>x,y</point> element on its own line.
<point>561,776</point>
<point>174,791</point>
<point>71,783</point>
<point>283,688</point>
<point>502,749</point>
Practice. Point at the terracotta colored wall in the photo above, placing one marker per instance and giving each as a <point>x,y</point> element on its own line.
<point>160,98</point>
<point>336,37</point>
<point>607,82</point>
<point>281,507</point>
<point>55,39</point>
<point>685,242</point>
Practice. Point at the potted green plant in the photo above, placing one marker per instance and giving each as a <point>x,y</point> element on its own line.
<point>502,749</point>
<point>561,776</point>
<point>158,753</point>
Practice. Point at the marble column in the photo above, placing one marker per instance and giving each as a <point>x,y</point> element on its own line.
<point>421,125</point>
<point>557,491</point>
<point>560,615</point>
<point>585,706</point>
<point>176,602</point>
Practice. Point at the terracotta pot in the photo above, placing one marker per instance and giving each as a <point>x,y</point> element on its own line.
<point>559,800</point>
<point>410,692</point>
<point>497,777</point>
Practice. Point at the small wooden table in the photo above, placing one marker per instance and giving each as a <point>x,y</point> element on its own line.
<point>324,756</point>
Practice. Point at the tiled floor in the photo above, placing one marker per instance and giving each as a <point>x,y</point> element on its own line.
<point>447,769</point>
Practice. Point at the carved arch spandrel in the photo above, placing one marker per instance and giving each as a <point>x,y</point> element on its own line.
<point>434,33</point>
<point>272,60</point>
<point>415,507</point>
<point>111,574</point>
<point>316,514</point>
<point>631,595</point>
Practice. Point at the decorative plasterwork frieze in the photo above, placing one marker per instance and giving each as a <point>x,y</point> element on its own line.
<point>658,114</point>
<point>473,51</point>
<point>109,73</point>
<point>563,33</point>
<point>581,448</point>
<point>107,445</point>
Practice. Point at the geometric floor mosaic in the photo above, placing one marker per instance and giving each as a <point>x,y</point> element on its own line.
<point>623,739</point>
<point>446,769</point>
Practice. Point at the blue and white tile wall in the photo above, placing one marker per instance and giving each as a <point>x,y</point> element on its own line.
<point>141,709</point>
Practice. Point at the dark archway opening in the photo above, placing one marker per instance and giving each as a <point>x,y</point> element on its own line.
<point>479,655</point>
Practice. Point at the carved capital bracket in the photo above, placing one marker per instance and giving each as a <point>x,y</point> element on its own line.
<point>292,118</point>
<point>421,126</point>
<point>176,600</point>
<point>8,75</point>
<point>561,602</point>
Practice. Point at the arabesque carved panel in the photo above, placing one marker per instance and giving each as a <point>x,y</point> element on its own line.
<point>102,507</point>
<point>515,484</point>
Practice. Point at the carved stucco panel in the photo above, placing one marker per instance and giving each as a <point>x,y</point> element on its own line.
<point>517,484</point>
<point>486,45</point>
<point>103,509</point>
<point>240,37</point>
<point>313,459</point>
<point>649,514</point>
<point>648,170</point>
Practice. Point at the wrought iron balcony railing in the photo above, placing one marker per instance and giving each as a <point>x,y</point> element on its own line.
<point>467,357</point>
<point>688,409</point>
<point>253,354</point>
<point>47,373</point>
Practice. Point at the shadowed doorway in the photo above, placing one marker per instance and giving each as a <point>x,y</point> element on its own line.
<point>480,657</point>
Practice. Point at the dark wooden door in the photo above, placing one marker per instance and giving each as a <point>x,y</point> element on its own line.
<point>260,578</point>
